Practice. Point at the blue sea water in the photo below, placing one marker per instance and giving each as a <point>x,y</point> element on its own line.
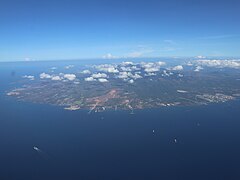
<point>114,144</point>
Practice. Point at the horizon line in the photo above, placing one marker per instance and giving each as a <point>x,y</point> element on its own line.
<point>116,58</point>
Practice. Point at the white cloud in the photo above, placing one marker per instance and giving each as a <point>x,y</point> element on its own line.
<point>126,68</point>
<point>56,78</point>
<point>161,63</point>
<point>177,68</point>
<point>102,80</point>
<point>69,66</point>
<point>165,73</point>
<point>135,76</point>
<point>131,81</point>
<point>107,68</point>
<point>45,76</point>
<point>129,68</point>
<point>152,66</point>
<point>70,77</point>
<point>89,79</point>
<point>189,64</point>
<point>112,70</point>
<point>59,77</point>
<point>219,63</point>
<point>123,75</point>
<point>147,65</point>
<point>151,69</point>
<point>125,63</point>
<point>30,77</point>
<point>109,56</point>
<point>150,74</point>
<point>200,57</point>
<point>135,68</point>
<point>198,68</point>
<point>86,71</point>
<point>126,71</point>
<point>99,75</point>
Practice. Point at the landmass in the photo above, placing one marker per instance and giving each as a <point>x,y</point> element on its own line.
<point>130,86</point>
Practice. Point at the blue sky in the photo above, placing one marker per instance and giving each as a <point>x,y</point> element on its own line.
<point>75,29</point>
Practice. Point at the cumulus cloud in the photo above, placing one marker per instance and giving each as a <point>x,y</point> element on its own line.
<point>189,64</point>
<point>135,68</point>
<point>151,69</point>
<point>129,68</point>
<point>99,75</point>
<point>102,80</point>
<point>147,64</point>
<point>30,77</point>
<point>198,68</point>
<point>166,73</point>
<point>107,68</point>
<point>59,77</point>
<point>112,70</point>
<point>135,76</point>
<point>219,63</point>
<point>56,78</point>
<point>89,79</point>
<point>126,68</point>
<point>70,77</point>
<point>152,66</point>
<point>125,75</point>
<point>86,71</point>
<point>125,63</point>
<point>160,63</point>
<point>150,74</point>
<point>45,76</point>
<point>178,68</point>
<point>127,71</point>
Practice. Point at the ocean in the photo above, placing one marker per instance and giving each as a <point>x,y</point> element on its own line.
<point>170,143</point>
